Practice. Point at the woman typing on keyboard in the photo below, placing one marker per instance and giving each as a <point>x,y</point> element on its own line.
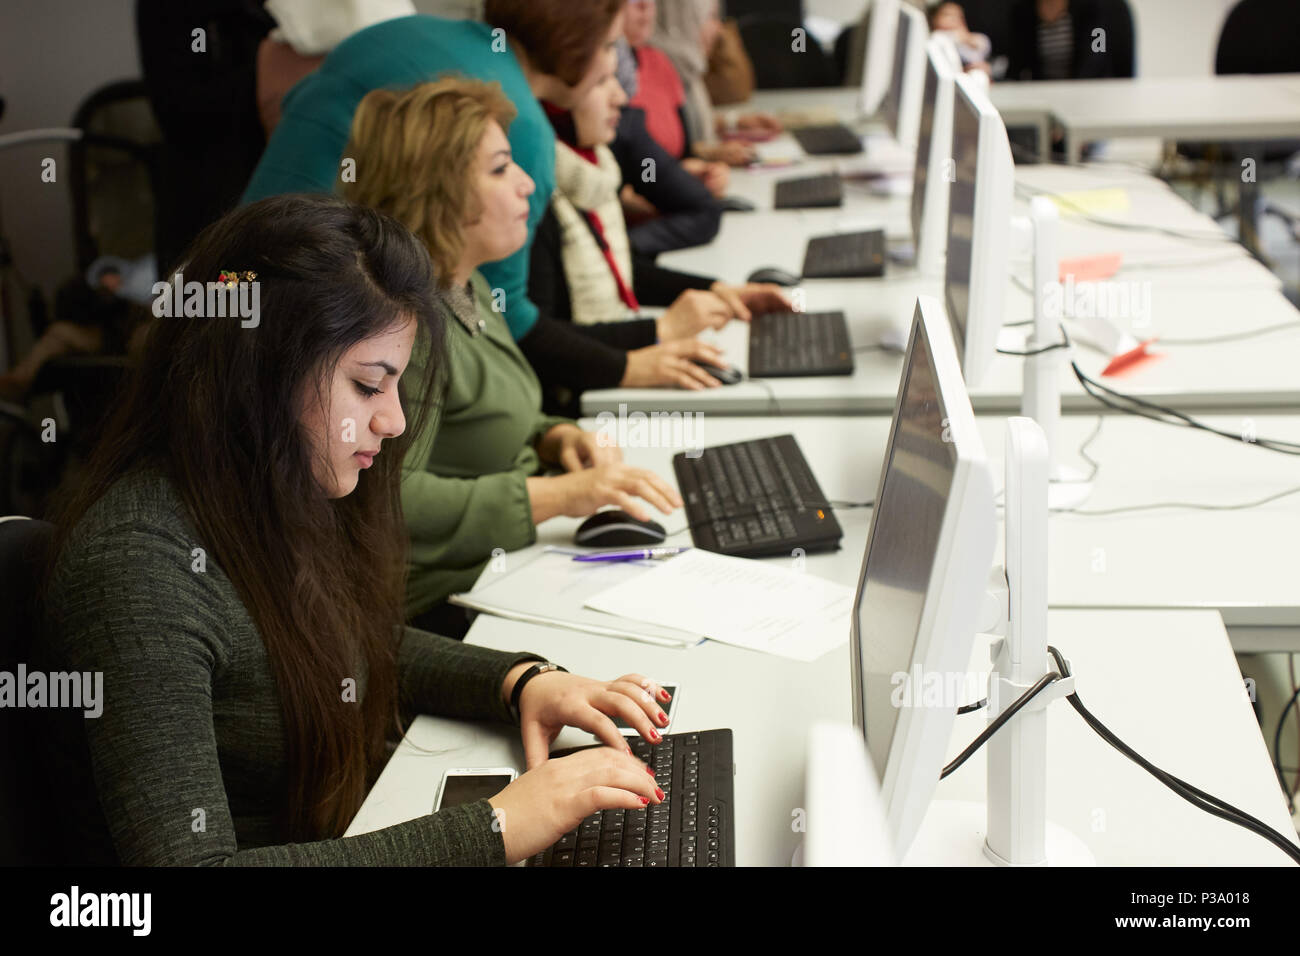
<point>231,562</point>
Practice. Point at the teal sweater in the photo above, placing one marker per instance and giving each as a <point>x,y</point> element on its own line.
<point>305,153</point>
<point>191,715</point>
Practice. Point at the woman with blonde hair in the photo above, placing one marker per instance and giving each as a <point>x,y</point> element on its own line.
<point>437,159</point>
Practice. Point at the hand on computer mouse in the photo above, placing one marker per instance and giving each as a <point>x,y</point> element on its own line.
<point>551,799</point>
<point>716,177</point>
<point>582,493</point>
<point>672,363</point>
<point>753,297</point>
<point>691,313</point>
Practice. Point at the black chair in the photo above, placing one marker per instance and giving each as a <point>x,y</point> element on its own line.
<point>789,9</point>
<point>768,39</point>
<point>1260,36</point>
<point>29,832</point>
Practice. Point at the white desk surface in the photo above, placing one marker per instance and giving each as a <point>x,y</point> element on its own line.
<point>1253,373</point>
<point>1177,699</point>
<point>1244,564</point>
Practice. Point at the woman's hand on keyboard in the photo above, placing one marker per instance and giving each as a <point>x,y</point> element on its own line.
<point>552,701</point>
<point>551,799</point>
<point>672,363</point>
<point>753,298</point>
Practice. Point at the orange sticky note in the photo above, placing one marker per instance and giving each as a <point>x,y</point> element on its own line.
<point>1091,268</point>
<point>1127,360</point>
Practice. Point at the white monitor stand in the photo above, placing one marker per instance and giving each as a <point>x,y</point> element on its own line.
<point>1041,399</point>
<point>1012,828</point>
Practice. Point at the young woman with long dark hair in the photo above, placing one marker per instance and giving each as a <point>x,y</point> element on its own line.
<point>233,563</point>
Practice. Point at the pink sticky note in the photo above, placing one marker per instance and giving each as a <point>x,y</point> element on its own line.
<point>1091,268</point>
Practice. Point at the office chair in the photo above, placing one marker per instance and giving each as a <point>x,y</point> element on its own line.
<point>29,834</point>
<point>768,40</point>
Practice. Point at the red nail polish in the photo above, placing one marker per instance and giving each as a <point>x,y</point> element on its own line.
<point>659,793</point>
<point>650,771</point>
<point>663,695</point>
<point>654,735</point>
<point>663,718</point>
<point>643,800</point>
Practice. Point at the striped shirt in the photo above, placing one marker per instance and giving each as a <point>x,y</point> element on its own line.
<point>1056,48</point>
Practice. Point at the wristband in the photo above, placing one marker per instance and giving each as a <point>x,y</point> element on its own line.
<point>539,668</point>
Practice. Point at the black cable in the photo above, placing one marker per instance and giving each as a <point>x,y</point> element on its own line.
<point>1046,348</point>
<point>1193,795</point>
<point>1277,752</point>
<point>1194,506</point>
<point>1160,413</point>
<point>972,708</point>
<point>771,396</point>
<point>999,722</point>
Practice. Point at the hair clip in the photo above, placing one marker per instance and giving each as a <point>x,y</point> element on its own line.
<point>231,279</point>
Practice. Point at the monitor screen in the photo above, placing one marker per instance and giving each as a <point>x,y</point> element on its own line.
<point>908,518</point>
<point>961,217</point>
<point>894,97</point>
<point>923,137</point>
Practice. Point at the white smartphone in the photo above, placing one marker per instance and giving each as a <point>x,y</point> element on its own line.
<point>467,784</point>
<point>670,708</point>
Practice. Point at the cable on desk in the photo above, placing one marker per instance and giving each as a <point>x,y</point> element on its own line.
<point>1047,348</point>
<point>1277,753</point>
<point>1082,213</point>
<point>1198,798</point>
<point>771,396</point>
<point>1233,336</point>
<point>1141,407</point>
<point>1193,506</point>
<point>972,708</point>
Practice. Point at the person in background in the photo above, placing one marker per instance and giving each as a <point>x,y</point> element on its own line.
<point>1054,40</point>
<point>232,564</point>
<point>552,48</point>
<point>949,17</point>
<point>671,209</point>
<point>582,266</point>
<point>673,62</point>
<point>437,159</point>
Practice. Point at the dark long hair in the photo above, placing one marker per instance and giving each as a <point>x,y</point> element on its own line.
<point>215,406</point>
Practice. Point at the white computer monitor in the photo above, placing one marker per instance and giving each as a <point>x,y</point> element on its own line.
<point>933,164</point>
<point>979,227</point>
<point>878,58</point>
<point>902,104</point>
<point>923,577</point>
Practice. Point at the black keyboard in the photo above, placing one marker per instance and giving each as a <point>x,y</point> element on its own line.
<point>812,192</point>
<point>799,343</point>
<point>694,826</point>
<point>829,140</point>
<point>849,255</point>
<point>755,499</point>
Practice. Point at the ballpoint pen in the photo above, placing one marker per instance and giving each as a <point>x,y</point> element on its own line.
<point>640,554</point>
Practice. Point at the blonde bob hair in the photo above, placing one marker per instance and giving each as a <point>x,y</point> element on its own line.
<point>415,152</point>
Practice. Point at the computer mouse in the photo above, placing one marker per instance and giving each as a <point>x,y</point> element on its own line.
<point>617,529</point>
<point>726,375</point>
<point>773,275</point>
<point>735,204</point>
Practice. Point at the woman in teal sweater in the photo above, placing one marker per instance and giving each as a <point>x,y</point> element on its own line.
<point>472,484</point>
<point>232,564</point>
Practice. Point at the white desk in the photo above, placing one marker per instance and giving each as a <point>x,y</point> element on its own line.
<point>1216,109</point>
<point>1254,373</point>
<point>1177,699</point>
<point>1244,564</point>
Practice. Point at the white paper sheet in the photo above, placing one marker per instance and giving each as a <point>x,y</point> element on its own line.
<point>738,601</point>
